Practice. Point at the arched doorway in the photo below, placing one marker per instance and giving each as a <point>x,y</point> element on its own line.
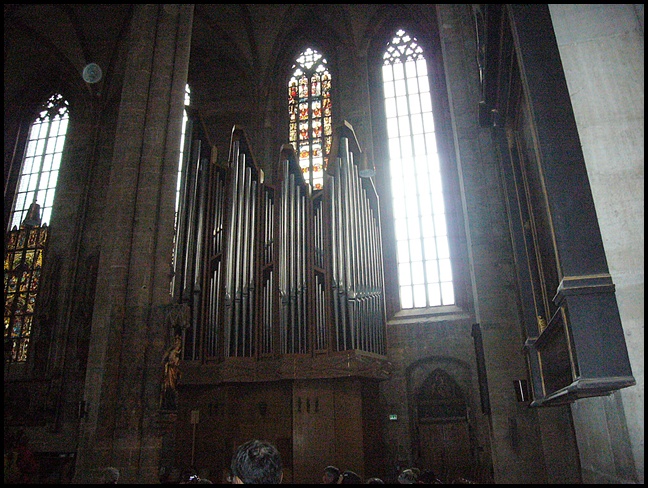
<point>445,443</point>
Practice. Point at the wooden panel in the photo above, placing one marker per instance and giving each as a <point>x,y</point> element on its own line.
<point>313,429</point>
<point>230,415</point>
<point>348,426</point>
<point>445,449</point>
<point>328,427</point>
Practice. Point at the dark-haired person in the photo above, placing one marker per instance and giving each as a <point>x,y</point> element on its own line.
<point>331,475</point>
<point>256,462</point>
<point>109,476</point>
<point>349,477</point>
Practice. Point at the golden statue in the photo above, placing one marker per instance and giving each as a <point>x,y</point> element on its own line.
<point>172,374</point>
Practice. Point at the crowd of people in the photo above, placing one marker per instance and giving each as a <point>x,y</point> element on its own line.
<point>332,475</point>
<point>259,462</point>
<point>254,462</point>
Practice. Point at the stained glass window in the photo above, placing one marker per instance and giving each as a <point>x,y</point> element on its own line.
<point>424,268</point>
<point>26,239</point>
<point>22,273</point>
<point>309,109</point>
<point>40,168</point>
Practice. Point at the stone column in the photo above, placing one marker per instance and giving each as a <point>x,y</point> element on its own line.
<point>129,333</point>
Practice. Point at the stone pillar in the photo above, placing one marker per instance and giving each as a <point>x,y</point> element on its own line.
<point>129,333</point>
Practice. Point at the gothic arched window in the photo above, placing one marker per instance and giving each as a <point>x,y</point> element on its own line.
<point>37,182</point>
<point>26,239</point>
<point>423,254</point>
<point>309,108</point>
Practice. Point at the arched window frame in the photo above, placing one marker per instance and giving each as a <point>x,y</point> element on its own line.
<point>26,238</point>
<point>41,161</point>
<point>431,45</point>
<point>309,88</point>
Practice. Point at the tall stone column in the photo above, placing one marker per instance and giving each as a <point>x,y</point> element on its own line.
<point>129,333</point>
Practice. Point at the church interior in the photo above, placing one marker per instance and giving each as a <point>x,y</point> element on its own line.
<point>379,236</point>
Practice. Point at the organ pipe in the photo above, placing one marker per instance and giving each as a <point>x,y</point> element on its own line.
<point>293,271</point>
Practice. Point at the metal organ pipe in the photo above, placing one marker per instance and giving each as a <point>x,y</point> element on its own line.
<point>300,273</point>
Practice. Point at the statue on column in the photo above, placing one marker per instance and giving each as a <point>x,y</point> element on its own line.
<point>177,316</point>
<point>171,361</point>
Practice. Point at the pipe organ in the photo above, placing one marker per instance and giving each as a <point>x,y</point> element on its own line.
<point>292,277</point>
<point>356,257</point>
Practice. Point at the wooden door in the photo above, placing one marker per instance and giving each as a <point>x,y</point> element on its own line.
<point>445,449</point>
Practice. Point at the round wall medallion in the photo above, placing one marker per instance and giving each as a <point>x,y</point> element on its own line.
<point>92,73</point>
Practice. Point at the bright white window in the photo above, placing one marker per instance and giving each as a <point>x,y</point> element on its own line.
<point>424,270</point>
<point>180,181</point>
<point>185,118</point>
<point>37,183</point>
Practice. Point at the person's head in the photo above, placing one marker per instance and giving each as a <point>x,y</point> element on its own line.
<point>349,477</point>
<point>189,476</point>
<point>374,481</point>
<point>256,462</point>
<point>331,475</point>
<point>428,477</point>
<point>110,476</point>
<point>407,477</point>
<point>198,481</point>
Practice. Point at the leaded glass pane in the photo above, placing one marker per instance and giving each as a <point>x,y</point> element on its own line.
<point>309,89</point>
<point>22,267</point>
<point>445,270</point>
<point>404,275</point>
<point>432,269</point>
<point>434,294</point>
<point>406,297</point>
<point>420,299</point>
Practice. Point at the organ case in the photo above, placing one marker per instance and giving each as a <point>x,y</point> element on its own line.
<point>293,280</point>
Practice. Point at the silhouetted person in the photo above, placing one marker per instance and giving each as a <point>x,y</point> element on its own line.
<point>331,475</point>
<point>349,477</point>
<point>428,477</point>
<point>374,481</point>
<point>109,476</point>
<point>407,477</point>
<point>190,477</point>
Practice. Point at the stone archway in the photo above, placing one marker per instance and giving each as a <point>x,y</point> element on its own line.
<point>443,427</point>
<point>441,416</point>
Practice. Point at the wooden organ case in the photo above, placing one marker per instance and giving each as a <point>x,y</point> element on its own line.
<point>574,339</point>
<point>287,339</point>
